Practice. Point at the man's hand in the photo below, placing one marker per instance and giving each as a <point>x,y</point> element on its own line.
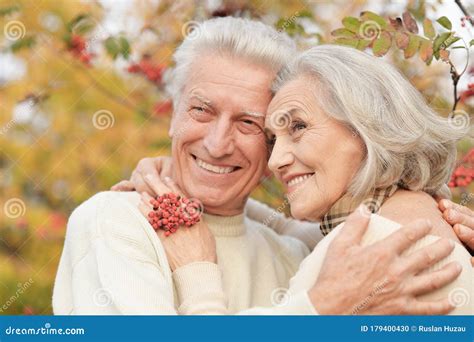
<point>379,279</point>
<point>462,220</point>
<point>155,168</point>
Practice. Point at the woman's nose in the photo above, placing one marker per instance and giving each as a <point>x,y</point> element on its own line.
<point>281,155</point>
<point>219,140</point>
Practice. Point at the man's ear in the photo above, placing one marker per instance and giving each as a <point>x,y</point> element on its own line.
<point>172,122</point>
<point>171,130</point>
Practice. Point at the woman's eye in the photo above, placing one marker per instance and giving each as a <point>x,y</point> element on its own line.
<point>297,126</point>
<point>199,109</point>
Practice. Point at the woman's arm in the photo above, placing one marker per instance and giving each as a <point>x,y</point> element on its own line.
<point>160,167</point>
<point>305,231</point>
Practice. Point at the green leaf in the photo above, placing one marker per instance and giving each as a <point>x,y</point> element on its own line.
<point>371,16</point>
<point>112,46</point>
<point>117,46</point>
<point>445,22</point>
<point>4,11</point>
<point>413,45</point>
<point>362,44</point>
<point>347,41</point>
<point>124,47</point>
<point>382,44</point>
<point>440,39</point>
<point>471,43</point>
<point>304,14</point>
<point>25,42</point>
<point>351,23</point>
<point>343,32</point>
<point>428,28</point>
<point>81,24</point>
<point>450,41</point>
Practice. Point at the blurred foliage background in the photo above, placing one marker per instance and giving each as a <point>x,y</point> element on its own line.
<point>81,100</point>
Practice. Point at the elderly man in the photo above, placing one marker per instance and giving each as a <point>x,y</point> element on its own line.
<point>114,263</point>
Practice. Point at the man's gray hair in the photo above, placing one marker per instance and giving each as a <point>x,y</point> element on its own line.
<point>235,37</point>
<point>406,141</point>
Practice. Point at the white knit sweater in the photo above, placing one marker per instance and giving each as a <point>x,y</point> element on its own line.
<point>460,292</point>
<point>114,263</point>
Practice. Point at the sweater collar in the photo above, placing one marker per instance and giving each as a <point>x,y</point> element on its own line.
<point>225,225</point>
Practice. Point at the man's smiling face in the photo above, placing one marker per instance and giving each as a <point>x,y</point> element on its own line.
<point>218,144</point>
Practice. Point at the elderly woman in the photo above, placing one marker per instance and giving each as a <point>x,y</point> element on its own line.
<point>388,150</point>
<point>346,132</point>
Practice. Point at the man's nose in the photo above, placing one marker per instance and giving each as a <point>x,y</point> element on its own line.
<point>281,155</point>
<point>219,140</point>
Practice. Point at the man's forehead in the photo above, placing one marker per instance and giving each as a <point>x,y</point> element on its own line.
<point>196,95</point>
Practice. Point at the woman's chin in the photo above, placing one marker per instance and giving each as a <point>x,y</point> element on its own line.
<point>305,212</point>
<point>300,212</point>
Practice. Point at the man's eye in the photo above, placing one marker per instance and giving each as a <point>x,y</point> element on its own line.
<point>198,109</point>
<point>249,122</point>
<point>200,113</point>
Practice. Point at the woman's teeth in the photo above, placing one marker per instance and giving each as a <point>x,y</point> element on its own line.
<point>214,168</point>
<point>299,179</point>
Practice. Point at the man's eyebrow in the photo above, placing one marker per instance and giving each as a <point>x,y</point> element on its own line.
<point>254,114</point>
<point>202,99</point>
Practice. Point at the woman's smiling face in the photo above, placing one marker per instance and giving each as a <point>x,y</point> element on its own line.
<point>313,155</point>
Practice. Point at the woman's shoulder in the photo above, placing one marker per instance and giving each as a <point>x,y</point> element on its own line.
<point>407,206</point>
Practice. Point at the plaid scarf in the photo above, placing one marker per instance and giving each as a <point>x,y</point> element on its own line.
<point>347,204</point>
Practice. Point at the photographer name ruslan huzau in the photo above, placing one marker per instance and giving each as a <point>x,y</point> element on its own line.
<point>444,328</point>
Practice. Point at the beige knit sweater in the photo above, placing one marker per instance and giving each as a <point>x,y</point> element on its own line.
<point>114,263</point>
<point>460,292</point>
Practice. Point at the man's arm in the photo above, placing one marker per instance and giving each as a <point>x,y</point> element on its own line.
<point>111,264</point>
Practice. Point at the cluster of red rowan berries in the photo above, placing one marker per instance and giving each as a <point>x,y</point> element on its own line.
<point>153,72</point>
<point>464,173</point>
<point>77,46</point>
<point>464,19</point>
<point>171,211</point>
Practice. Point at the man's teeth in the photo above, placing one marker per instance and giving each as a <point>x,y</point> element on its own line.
<point>299,179</point>
<point>214,168</point>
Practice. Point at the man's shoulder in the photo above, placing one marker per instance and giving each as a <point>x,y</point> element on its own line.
<point>106,209</point>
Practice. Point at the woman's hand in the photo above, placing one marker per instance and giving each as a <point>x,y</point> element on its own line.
<point>156,168</point>
<point>188,244</point>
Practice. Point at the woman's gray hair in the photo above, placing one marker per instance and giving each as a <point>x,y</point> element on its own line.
<point>236,37</point>
<point>406,141</point>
